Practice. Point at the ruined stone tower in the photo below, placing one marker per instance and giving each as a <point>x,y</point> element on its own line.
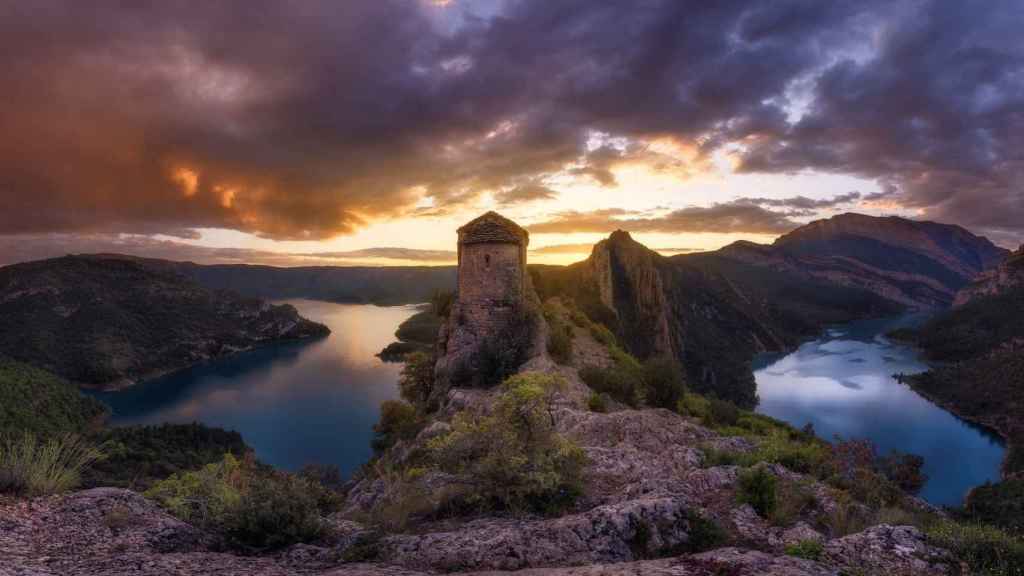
<point>492,267</point>
<point>491,322</point>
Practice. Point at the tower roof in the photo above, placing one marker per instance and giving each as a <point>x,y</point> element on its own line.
<point>492,227</point>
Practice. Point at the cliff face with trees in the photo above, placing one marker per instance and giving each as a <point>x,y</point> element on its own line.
<point>714,311</point>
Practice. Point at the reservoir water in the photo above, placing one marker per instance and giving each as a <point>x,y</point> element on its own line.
<point>843,383</point>
<point>294,403</point>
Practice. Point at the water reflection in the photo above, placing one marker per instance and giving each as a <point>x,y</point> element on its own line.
<point>843,384</point>
<point>294,403</point>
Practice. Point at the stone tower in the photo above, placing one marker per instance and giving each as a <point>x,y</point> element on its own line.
<point>491,320</point>
<point>492,266</point>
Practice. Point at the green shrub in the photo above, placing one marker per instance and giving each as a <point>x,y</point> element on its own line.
<point>597,402</point>
<point>36,467</point>
<point>602,334</point>
<point>623,380</point>
<point>1000,504</point>
<point>663,379</point>
<point>513,458</point>
<point>417,379</point>
<point>904,470</point>
<point>500,355</point>
<point>560,342</point>
<point>704,534</point>
<point>985,549</point>
<point>252,505</point>
<point>398,421</point>
<point>722,413</point>
<point>276,510</point>
<point>794,500</point>
<point>694,405</point>
<point>757,488</point>
<point>806,549</point>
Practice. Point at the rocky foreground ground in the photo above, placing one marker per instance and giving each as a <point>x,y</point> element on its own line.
<point>117,532</point>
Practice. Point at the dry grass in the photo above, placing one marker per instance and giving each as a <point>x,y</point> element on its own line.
<point>34,467</point>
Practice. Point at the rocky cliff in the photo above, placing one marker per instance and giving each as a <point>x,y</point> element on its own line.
<point>111,321</point>
<point>712,312</point>
<point>1008,276</point>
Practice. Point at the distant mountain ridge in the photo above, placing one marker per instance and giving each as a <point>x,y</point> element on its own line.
<point>714,311</point>
<point>112,321</point>
<point>917,264</point>
<point>385,286</point>
<point>1009,275</point>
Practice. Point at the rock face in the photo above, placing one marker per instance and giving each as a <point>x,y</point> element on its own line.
<point>110,321</point>
<point>1006,277</point>
<point>492,322</point>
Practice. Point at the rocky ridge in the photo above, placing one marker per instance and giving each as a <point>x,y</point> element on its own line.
<point>109,321</point>
<point>1007,276</point>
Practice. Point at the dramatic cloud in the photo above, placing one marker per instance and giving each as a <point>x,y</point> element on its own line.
<point>305,120</point>
<point>727,217</point>
<point>803,203</point>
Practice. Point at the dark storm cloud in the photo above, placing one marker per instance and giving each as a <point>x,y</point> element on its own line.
<point>937,115</point>
<point>803,203</point>
<point>303,120</point>
<point>726,217</point>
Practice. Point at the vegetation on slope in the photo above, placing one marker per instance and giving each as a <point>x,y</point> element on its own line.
<point>37,402</point>
<point>137,457</point>
<point>251,505</point>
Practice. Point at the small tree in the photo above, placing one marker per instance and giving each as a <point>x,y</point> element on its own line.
<point>417,379</point>
<point>663,379</point>
<point>398,421</point>
<point>441,303</point>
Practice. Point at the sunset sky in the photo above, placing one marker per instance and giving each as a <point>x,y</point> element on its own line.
<point>366,131</point>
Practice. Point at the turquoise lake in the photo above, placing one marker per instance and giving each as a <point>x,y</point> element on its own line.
<point>843,384</point>
<point>294,403</point>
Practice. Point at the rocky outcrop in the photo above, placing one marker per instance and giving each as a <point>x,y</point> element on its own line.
<point>630,285</point>
<point>104,321</point>
<point>1006,277</point>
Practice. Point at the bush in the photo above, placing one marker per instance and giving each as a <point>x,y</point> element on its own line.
<point>513,459</point>
<point>398,421</point>
<point>623,380</point>
<point>560,342</point>
<point>663,379</point>
<point>806,549</point>
<point>597,402</point>
<point>417,379</point>
<point>722,413</point>
<point>36,467</point>
<point>501,355</point>
<point>694,405</point>
<point>276,510</point>
<point>757,488</point>
<point>1000,504</point>
<point>904,470</point>
<point>985,549</point>
<point>252,505</point>
<point>704,535</point>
